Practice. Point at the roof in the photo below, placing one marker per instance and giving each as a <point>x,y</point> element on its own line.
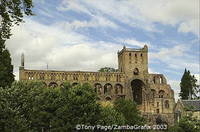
<point>192,104</point>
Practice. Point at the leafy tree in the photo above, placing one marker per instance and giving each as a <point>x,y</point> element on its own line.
<point>12,13</point>
<point>10,116</point>
<point>188,85</point>
<point>186,124</point>
<point>195,88</point>
<point>109,116</point>
<point>6,68</point>
<point>129,110</point>
<point>82,106</point>
<point>31,106</point>
<point>107,69</point>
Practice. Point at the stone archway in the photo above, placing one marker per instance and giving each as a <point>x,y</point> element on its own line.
<point>53,84</point>
<point>137,86</point>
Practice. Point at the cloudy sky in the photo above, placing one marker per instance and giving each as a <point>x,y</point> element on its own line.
<point>86,35</point>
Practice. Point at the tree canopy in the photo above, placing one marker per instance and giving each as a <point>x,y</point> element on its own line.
<point>129,110</point>
<point>6,68</point>
<point>187,123</point>
<point>12,13</point>
<point>107,69</point>
<point>189,88</point>
<point>31,106</point>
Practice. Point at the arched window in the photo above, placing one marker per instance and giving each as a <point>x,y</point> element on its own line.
<point>107,88</point>
<point>161,93</point>
<point>153,91</point>
<point>108,98</point>
<point>136,71</point>
<point>118,89</point>
<point>98,88</point>
<point>154,80</point>
<point>74,84</point>
<point>53,84</point>
<point>166,103</point>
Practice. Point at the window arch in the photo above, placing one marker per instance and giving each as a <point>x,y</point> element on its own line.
<point>53,84</point>
<point>108,98</point>
<point>118,89</point>
<point>74,84</point>
<point>135,55</point>
<point>98,88</point>
<point>136,71</point>
<point>154,80</point>
<point>166,103</point>
<point>161,93</point>
<point>107,88</point>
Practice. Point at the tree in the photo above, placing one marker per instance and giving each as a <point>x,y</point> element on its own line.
<point>6,68</point>
<point>187,123</point>
<point>107,69</point>
<point>129,110</point>
<point>189,88</point>
<point>82,106</point>
<point>12,13</point>
<point>31,106</point>
<point>110,116</point>
<point>195,88</point>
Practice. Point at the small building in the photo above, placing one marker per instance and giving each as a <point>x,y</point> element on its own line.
<point>186,107</point>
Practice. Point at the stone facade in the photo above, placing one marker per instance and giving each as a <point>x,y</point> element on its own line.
<point>187,107</point>
<point>132,81</point>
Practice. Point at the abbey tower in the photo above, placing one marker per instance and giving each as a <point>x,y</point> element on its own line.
<point>132,81</point>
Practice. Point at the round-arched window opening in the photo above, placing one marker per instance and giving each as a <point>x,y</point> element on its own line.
<point>74,84</point>
<point>161,94</point>
<point>98,88</point>
<point>53,85</point>
<point>108,98</point>
<point>136,71</point>
<point>135,55</point>
<point>166,104</point>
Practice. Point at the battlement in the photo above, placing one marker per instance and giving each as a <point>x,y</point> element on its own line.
<point>125,49</point>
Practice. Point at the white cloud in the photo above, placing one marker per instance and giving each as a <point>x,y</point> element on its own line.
<point>73,4</point>
<point>176,58</point>
<point>97,21</point>
<point>133,42</point>
<point>175,85</point>
<point>143,13</point>
<point>60,47</point>
<point>168,53</point>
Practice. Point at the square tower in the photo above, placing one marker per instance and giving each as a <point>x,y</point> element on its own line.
<point>133,61</point>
